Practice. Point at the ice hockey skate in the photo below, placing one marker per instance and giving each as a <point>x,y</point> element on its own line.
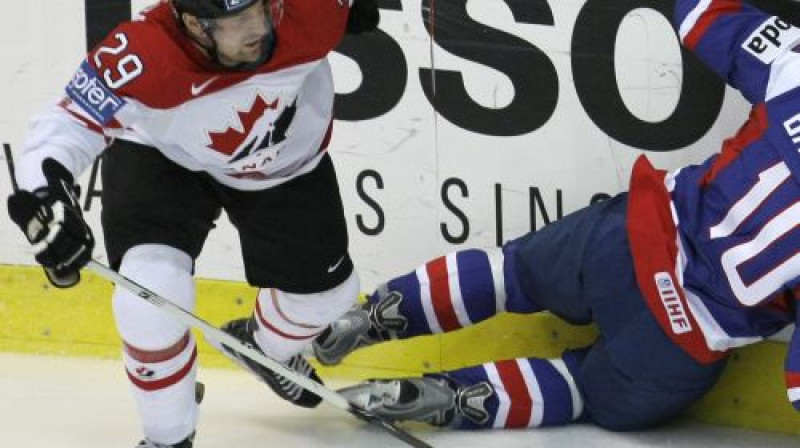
<point>433,399</point>
<point>363,325</point>
<point>186,443</point>
<point>242,329</point>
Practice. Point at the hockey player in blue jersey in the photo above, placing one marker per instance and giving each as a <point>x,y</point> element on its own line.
<point>676,273</point>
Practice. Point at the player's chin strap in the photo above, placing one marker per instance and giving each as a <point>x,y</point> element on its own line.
<point>187,318</point>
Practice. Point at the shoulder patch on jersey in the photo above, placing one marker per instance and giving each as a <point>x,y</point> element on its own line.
<point>88,91</point>
<point>770,38</point>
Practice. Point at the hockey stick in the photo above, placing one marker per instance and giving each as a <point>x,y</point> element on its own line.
<point>185,317</point>
<point>10,164</point>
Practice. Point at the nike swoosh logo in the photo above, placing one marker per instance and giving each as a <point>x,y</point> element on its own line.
<point>197,90</point>
<point>333,267</point>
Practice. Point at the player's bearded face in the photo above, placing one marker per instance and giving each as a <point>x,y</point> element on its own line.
<point>241,38</point>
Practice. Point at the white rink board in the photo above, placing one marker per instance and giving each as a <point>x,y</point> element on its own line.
<point>413,149</point>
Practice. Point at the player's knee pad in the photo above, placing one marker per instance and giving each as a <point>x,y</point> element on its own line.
<point>166,271</point>
<point>288,321</point>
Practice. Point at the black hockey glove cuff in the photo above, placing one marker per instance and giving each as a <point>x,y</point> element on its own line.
<point>52,221</point>
<point>364,16</point>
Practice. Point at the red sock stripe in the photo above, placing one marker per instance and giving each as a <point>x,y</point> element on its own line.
<point>519,413</point>
<point>164,382</point>
<point>265,323</point>
<point>440,294</point>
<point>154,356</point>
<point>274,297</point>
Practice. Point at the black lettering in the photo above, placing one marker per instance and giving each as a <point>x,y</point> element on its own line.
<point>536,203</point>
<point>593,70</point>
<point>782,24</point>
<point>531,72</point>
<point>384,73</point>
<point>458,239</point>
<point>378,228</point>
<point>757,44</point>
<point>772,34</point>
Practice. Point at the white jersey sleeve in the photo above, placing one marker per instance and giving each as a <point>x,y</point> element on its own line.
<point>55,133</point>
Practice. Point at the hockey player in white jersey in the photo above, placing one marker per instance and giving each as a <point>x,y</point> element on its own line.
<point>196,107</point>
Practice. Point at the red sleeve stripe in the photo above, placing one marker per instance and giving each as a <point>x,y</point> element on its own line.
<point>715,10</point>
<point>113,124</point>
<point>91,125</point>
<point>755,128</point>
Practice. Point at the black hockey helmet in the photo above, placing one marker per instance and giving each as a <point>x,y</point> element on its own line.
<point>211,9</point>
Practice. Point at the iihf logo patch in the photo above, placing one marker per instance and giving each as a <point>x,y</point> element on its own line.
<point>673,303</point>
<point>664,283</point>
<point>233,4</point>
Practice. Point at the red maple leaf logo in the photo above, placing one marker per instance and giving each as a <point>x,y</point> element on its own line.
<point>227,142</point>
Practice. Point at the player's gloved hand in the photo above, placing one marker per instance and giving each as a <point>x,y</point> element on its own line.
<point>52,221</point>
<point>364,16</point>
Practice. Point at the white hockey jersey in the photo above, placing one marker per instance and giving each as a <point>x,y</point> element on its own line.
<point>147,82</point>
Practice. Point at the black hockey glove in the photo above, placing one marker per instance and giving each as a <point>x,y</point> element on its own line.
<point>364,16</point>
<point>52,221</point>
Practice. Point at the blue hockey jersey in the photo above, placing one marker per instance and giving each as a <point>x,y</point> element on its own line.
<point>722,267</point>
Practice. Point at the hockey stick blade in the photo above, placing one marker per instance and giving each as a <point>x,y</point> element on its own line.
<point>187,318</point>
<point>387,426</point>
